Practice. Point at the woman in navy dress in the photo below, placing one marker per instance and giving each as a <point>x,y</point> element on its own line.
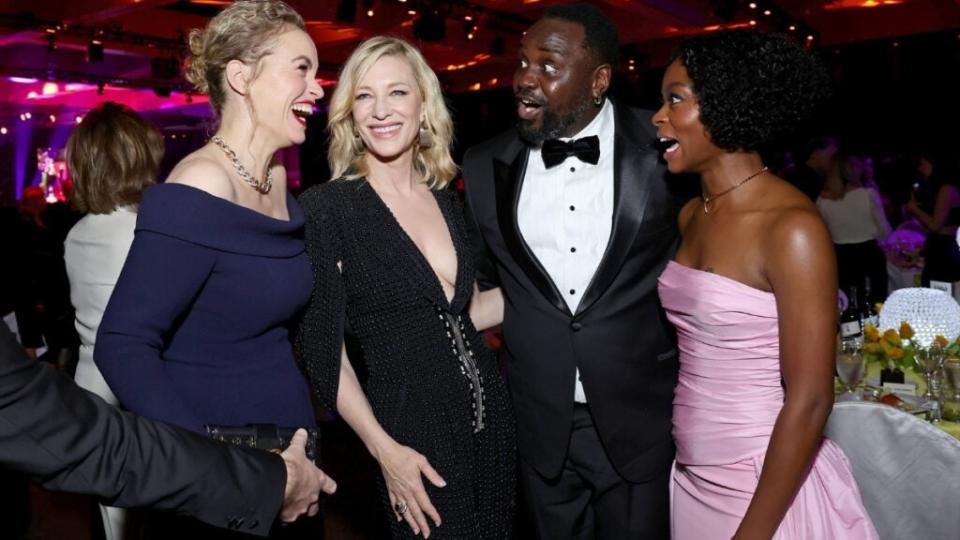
<point>195,332</point>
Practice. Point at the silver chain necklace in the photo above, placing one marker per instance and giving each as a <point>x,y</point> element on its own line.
<point>242,172</point>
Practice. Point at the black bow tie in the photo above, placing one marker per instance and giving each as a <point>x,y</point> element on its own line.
<point>587,150</point>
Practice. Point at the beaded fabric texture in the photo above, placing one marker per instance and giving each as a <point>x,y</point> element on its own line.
<point>419,381</point>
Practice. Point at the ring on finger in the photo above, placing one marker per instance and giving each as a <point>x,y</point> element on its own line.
<point>401,507</point>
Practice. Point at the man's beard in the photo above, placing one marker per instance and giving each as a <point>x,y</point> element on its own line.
<point>555,124</point>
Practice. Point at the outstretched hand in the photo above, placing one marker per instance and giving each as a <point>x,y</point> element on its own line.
<point>305,481</point>
<point>402,469</point>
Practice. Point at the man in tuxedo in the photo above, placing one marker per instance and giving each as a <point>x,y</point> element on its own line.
<point>574,214</point>
<point>68,439</point>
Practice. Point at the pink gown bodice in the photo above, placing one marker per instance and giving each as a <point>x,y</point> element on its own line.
<point>727,400</point>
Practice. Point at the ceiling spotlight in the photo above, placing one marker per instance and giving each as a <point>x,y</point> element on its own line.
<point>753,22</point>
<point>3,130</point>
<point>27,115</point>
<point>369,13</point>
<point>53,119</point>
<point>51,39</point>
<point>753,5</point>
<point>766,12</point>
<point>792,28</point>
<point>95,51</point>
<point>809,38</point>
<point>78,119</point>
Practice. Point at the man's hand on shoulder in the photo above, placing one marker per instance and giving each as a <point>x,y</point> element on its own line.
<point>304,482</point>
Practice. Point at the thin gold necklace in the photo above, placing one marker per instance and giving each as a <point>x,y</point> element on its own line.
<point>261,186</point>
<point>707,199</point>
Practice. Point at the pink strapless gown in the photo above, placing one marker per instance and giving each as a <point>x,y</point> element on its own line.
<point>726,403</point>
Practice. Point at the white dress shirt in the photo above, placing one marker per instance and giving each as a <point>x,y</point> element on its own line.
<point>565,215</point>
<point>94,253</point>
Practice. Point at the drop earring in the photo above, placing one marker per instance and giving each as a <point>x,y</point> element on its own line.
<point>426,136</point>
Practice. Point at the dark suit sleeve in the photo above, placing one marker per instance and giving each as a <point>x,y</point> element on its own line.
<point>319,336</point>
<point>487,277</point>
<point>70,440</point>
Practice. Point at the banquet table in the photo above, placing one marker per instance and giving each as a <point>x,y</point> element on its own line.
<point>872,378</point>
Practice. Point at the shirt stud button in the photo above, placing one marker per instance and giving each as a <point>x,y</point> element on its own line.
<point>573,250</point>
<point>573,169</point>
<point>572,208</point>
<point>573,291</point>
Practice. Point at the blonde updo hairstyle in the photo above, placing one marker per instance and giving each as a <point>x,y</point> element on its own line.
<point>241,32</point>
<point>346,152</point>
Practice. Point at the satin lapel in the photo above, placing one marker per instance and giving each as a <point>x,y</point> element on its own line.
<point>508,177</point>
<point>633,164</point>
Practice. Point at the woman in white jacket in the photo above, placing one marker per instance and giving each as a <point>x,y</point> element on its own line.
<point>112,156</point>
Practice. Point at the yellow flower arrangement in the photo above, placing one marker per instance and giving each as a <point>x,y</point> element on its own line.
<point>892,348</point>
<point>896,347</point>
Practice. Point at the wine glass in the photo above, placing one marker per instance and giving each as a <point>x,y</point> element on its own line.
<point>951,395</point>
<point>930,361</point>
<point>850,366</point>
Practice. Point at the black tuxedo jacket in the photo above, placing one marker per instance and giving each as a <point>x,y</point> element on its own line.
<point>618,338</point>
<point>68,439</point>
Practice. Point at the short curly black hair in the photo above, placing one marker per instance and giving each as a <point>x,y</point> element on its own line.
<point>753,88</point>
<point>600,35</point>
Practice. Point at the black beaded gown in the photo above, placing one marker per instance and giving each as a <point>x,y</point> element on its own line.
<point>430,379</point>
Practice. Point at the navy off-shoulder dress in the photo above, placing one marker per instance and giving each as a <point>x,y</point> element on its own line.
<point>195,332</point>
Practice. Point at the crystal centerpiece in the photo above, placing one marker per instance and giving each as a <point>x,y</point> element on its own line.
<point>930,312</point>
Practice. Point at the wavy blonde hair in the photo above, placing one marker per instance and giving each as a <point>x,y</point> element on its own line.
<point>346,152</point>
<point>244,32</point>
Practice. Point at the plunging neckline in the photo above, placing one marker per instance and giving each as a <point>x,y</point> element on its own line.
<point>414,249</point>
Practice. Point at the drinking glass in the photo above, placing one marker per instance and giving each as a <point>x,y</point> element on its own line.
<point>951,390</point>
<point>850,366</point>
<point>930,361</point>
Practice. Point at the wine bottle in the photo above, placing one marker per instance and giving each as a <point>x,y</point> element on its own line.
<point>850,329</point>
<point>868,310</point>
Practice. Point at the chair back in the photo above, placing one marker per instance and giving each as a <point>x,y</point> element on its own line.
<point>908,471</point>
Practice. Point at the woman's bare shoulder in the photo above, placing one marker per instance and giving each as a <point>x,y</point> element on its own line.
<point>205,172</point>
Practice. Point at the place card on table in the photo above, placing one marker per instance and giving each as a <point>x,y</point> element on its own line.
<point>904,389</point>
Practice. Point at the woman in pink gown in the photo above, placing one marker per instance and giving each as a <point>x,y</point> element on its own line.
<point>752,293</point>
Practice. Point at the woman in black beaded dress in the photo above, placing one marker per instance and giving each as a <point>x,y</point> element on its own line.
<point>393,273</point>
